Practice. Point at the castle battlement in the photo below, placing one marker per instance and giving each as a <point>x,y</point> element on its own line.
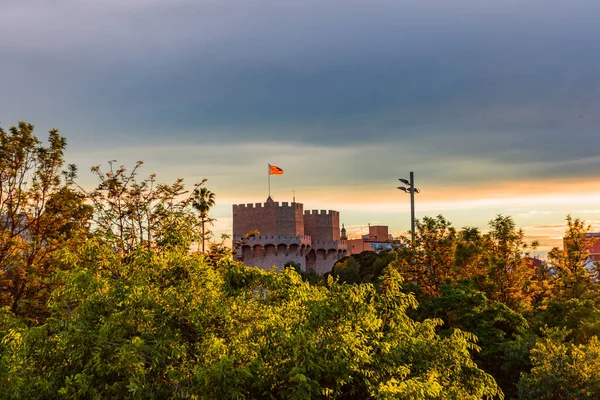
<point>276,237</point>
<point>303,241</point>
<point>321,212</point>
<point>250,206</point>
<point>275,204</point>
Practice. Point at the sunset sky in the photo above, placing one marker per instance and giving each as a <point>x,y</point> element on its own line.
<point>495,105</point>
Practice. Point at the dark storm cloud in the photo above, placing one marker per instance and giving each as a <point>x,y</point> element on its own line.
<point>512,82</point>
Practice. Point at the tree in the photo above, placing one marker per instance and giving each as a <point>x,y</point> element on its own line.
<point>573,279</point>
<point>510,277</point>
<point>204,200</point>
<point>430,261</point>
<point>580,317</point>
<point>131,214</point>
<point>470,248</point>
<point>39,214</point>
<point>366,261</point>
<point>497,327</point>
<point>371,264</point>
<point>347,271</point>
<point>562,370</point>
<point>294,265</point>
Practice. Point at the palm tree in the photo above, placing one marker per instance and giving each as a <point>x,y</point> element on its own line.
<point>204,199</point>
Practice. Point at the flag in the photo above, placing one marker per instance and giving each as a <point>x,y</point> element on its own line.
<point>273,170</point>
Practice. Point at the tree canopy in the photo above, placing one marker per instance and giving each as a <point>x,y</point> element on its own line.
<point>171,325</point>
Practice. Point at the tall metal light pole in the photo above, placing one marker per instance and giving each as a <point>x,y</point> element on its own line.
<point>411,189</point>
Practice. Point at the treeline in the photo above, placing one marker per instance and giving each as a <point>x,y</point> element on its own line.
<point>101,297</point>
<point>536,322</point>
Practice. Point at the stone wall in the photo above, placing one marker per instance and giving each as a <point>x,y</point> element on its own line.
<point>289,219</point>
<point>322,225</point>
<point>322,260</point>
<point>266,251</point>
<point>268,218</point>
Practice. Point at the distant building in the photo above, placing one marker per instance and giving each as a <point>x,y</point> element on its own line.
<point>287,233</point>
<point>534,262</point>
<point>377,240</point>
<point>594,249</point>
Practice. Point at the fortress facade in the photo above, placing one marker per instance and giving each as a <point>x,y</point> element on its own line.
<point>287,233</point>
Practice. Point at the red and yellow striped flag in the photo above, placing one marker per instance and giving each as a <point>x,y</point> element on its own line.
<point>273,170</point>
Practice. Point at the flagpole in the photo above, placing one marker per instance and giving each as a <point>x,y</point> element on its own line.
<point>269,177</point>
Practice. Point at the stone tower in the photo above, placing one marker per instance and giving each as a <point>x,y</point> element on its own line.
<point>287,233</point>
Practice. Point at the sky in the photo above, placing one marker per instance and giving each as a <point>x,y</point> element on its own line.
<point>495,105</point>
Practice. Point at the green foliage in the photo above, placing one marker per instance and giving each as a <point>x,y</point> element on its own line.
<point>203,201</point>
<point>497,261</point>
<point>169,325</point>
<point>294,265</point>
<point>580,317</point>
<point>366,260</point>
<point>497,327</point>
<point>572,279</point>
<point>369,266</point>
<point>516,362</point>
<point>430,261</point>
<point>510,279</point>
<point>469,254</point>
<point>562,370</point>
<point>39,214</point>
<point>313,277</point>
<point>130,214</point>
<point>347,271</point>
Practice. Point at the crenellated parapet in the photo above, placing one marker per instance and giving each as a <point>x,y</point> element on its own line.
<point>322,224</point>
<point>270,218</point>
<point>276,239</point>
<point>321,212</point>
<point>269,205</point>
